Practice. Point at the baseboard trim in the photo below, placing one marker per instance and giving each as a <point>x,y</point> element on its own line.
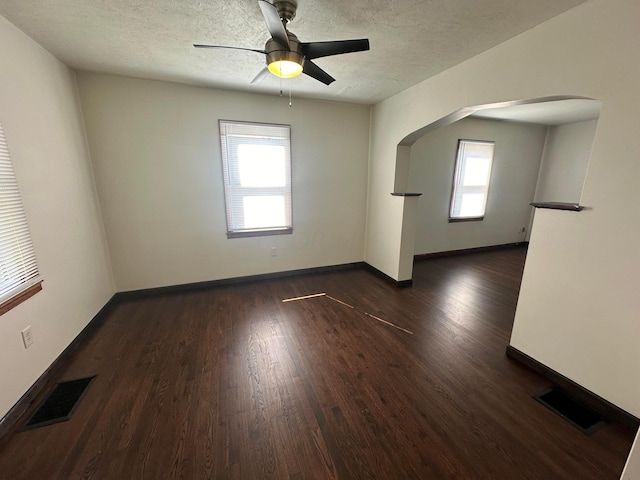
<point>465,251</point>
<point>603,407</point>
<point>384,276</point>
<point>186,287</point>
<point>8,423</point>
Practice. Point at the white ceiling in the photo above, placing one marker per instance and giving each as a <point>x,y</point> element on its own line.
<point>411,40</point>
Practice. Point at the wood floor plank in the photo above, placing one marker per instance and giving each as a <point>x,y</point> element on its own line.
<point>232,383</point>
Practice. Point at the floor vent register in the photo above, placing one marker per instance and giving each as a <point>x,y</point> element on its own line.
<point>571,410</point>
<point>60,404</point>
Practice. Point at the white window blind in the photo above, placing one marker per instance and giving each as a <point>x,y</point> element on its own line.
<point>18,267</point>
<point>256,162</point>
<point>471,179</point>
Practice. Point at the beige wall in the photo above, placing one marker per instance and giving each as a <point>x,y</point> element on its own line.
<point>40,112</point>
<point>565,161</point>
<point>156,153</point>
<point>578,306</point>
<point>513,182</point>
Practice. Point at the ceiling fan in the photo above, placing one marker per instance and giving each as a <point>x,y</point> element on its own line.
<point>286,56</point>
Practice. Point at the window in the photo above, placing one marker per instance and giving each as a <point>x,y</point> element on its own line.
<point>256,163</point>
<point>471,180</point>
<point>19,277</point>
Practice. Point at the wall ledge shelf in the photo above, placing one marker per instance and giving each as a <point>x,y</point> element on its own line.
<point>573,207</point>
<point>403,194</point>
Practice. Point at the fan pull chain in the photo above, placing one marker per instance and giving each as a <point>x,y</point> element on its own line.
<point>290,93</point>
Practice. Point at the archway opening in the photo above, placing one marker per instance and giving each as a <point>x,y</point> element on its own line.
<point>542,152</point>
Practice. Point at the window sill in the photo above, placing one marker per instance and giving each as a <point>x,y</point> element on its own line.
<point>466,219</point>
<point>260,233</point>
<point>20,297</point>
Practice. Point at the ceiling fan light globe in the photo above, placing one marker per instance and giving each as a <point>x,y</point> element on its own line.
<point>285,68</point>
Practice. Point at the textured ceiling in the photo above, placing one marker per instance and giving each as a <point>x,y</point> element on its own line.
<point>411,40</point>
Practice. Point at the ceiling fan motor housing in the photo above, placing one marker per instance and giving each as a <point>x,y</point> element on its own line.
<point>277,52</point>
<point>286,9</point>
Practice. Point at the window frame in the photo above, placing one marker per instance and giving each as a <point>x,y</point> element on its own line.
<point>20,273</point>
<point>457,176</point>
<point>232,188</point>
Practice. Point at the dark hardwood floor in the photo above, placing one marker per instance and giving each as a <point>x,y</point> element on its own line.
<point>232,383</point>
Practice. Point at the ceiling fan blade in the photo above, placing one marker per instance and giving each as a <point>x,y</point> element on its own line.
<point>232,48</point>
<point>313,50</point>
<point>274,24</point>
<point>260,76</point>
<point>316,72</point>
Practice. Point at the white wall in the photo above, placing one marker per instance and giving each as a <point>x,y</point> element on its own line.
<point>40,112</point>
<point>514,174</point>
<point>565,161</point>
<point>156,152</point>
<point>578,306</point>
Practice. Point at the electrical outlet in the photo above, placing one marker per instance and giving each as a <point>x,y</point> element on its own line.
<point>27,337</point>
<point>274,251</point>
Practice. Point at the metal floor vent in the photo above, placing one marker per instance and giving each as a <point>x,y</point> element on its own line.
<point>571,410</point>
<point>60,403</point>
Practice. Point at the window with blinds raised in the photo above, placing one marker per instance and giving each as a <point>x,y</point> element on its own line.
<point>256,163</point>
<point>471,180</point>
<point>19,277</point>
